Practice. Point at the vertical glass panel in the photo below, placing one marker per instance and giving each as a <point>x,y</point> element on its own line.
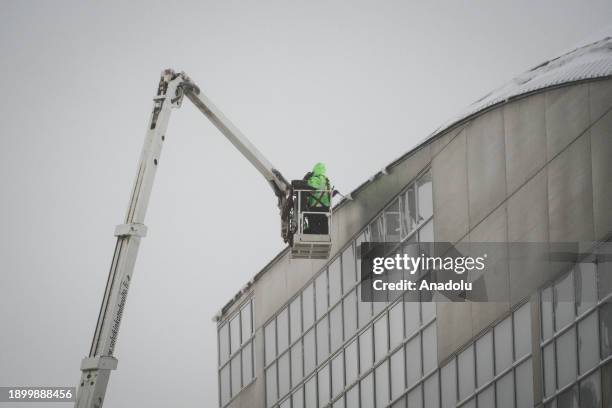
<point>586,286</point>
<point>247,364</point>
<point>428,311</point>
<point>323,381</point>
<point>223,343</point>
<point>367,392</point>
<point>606,381</point>
<point>413,360</point>
<point>310,352</point>
<point>247,322</point>
<point>505,391</point>
<point>566,357</point>
<point>524,385</point>
<point>352,397</point>
<point>335,327</point>
<point>364,237</point>
<point>282,330</point>
<point>348,269</point>
<point>398,378</point>
<point>308,306</point>
<point>351,359</point>
<point>392,222</point>
<point>547,313</point>
<point>285,404</point>
<point>322,340</point>
<point>401,403</point>
<point>412,318</point>
<point>365,309</point>
<point>588,346</point>
<point>426,233</point>
<point>486,398</point>
<point>522,331</point>
<point>379,306</point>
<point>465,361</point>
<point>270,339</point>
<point>225,384</point>
<point>549,369</point>
<point>271,388</point>
<point>235,333</point>
<point>350,313</point>
<point>335,281</point>
<point>396,325</point>
<point>564,301</point>
<point>339,403</point>
<point>337,374</point>
<point>569,399</point>
<point>605,329</point>
<point>283,375</point>
<point>295,313</point>
<point>590,391</point>
<point>310,392</point>
<point>430,391</point>
<point>503,345</point>
<point>425,196</point>
<point>321,294</point>
<point>408,210</point>
<point>448,382</point>
<point>365,350</point>
<point>484,359</point>
<point>415,398</point>
<point>381,338</point>
<point>470,404</point>
<point>377,231</point>
<point>604,278</point>
<point>296,363</point>
<point>381,374</point>
<point>430,348</point>
<point>297,398</point>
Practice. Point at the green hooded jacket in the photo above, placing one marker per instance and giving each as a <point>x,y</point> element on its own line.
<point>319,181</point>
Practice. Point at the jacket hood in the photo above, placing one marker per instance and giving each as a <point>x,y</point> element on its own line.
<point>319,169</point>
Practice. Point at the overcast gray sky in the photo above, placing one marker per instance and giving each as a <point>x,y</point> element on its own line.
<point>351,83</point>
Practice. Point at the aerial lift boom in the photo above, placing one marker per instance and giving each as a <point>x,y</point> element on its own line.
<point>96,368</point>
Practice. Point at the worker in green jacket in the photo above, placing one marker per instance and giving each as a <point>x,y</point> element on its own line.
<point>318,201</point>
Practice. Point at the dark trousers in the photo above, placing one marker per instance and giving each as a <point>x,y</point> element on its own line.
<point>317,223</point>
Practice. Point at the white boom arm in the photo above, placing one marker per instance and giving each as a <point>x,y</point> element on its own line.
<point>95,369</point>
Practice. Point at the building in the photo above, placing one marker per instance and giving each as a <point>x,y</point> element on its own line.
<point>530,162</point>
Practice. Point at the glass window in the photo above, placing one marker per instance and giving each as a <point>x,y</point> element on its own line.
<point>586,286</point>
<point>339,403</point>
<point>413,360</point>
<point>308,306</point>
<point>283,375</point>
<point>430,345</point>
<point>377,230</point>
<point>352,397</point>
<point>428,311</point>
<point>270,339</point>
<point>335,281</point>
<point>348,269</point>
<point>412,319</point>
<point>351,362</point>
<point>408,211</point>
<point>524,385</point>
<point>364,237</point>
<point>337,374</point>
<point>590,391</point>
<point>223,343</point>
<point>566,357</point>
<point>505,391</point>
<point>322,340</point>
<point>295,313</point>
<point>247,322</point>
<point>365,309</point>
<point>309,352</point>
<point>285,404</point>
<point>321,294</point>
<point>296,363</point>
<point>365,350</point>
<point>522,331</point>
<point>323,381</point>
<point>310,392</point>
<point>547,313</point>
<point>381,374</point>
<point>297,398</point>
<point>564,301</point>
<point>350,313</point>
<point>487,397</point>
<point>569,399</point>
<point>415,398</point>
<point>335,327</point>
<point>282,330</point>
<point>392,222</point>
<point>588,346</point>
<point>247,364</point>
<point>466,375</point>
<point>605,329</point>
<point>430,391</point>
<point>549,369</point>
<point>381,338</point>
<point>425,196</point>
<point>401,403</point>
<point>225,384</point>
<point>448,381</point>
<point>484,359</point>
<point>271,390</point>
<point>396,325</point>
<point>398,383</point>
<point>367,392</point>
<point>503,345</point>
<point>604,278</point>
<point>235,333</point>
